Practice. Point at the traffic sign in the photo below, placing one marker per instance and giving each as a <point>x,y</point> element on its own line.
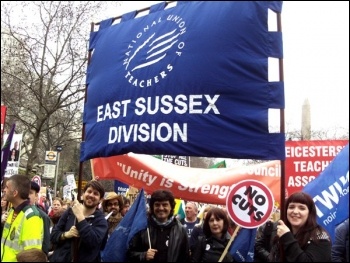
<point>49,171</point>
<point>51,157</point>
<point>59,148</point>
<point>250,203</point>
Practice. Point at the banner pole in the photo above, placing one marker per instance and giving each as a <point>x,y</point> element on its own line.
<point>229,243</point>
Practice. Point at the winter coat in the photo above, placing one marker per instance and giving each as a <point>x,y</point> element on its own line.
<point>171,241</point>
<point>93,236</point>
<point>210,249</point>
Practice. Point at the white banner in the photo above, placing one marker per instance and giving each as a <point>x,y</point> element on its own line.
<point>71,181</point>
<point>14,156</point>
<point>67,192</point>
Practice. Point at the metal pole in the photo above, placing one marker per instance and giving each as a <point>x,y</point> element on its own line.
<point>57,165</point>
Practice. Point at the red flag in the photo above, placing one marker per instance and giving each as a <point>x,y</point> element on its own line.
<point>3,117</point>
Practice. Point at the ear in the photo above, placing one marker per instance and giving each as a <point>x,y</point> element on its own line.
<point>15,193</point>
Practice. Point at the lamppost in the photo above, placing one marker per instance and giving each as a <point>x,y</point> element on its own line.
<point>58,149</point>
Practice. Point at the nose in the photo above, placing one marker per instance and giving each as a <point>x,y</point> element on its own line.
<point>295,210</point>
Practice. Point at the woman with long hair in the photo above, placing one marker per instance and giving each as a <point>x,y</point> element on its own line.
<point>300,238</point>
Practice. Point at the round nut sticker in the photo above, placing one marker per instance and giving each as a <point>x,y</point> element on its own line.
<point>250,203</point>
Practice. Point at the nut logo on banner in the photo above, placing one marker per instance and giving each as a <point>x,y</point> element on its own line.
<point>250,203</point>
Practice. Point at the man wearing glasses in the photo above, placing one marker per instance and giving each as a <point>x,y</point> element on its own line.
<point>112,206</point>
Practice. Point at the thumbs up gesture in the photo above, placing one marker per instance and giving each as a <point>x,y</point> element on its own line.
<point>281,228</point>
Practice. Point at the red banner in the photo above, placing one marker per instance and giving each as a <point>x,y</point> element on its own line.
<point>305,160</point>
<point>3,117</point>
<point>195,184</point>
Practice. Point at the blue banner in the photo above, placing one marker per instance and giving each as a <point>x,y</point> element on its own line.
<point>330,192</point>
<point>120,188</point>
<point>191,80</point>
<point>242,249</point>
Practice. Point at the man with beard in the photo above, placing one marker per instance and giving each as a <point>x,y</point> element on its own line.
<point>81,231</point>
<point>165,239</point>
<point>112,206</point>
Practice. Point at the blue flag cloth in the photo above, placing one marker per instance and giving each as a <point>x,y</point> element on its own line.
<point>178,79</point>
<point>330,192</point>
<point>134,221</point>
<point>242,249</point>
<point>5,151</point>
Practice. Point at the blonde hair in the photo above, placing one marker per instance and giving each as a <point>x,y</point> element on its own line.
<point>205,210</point>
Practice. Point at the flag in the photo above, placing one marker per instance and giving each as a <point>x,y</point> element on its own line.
<point>330,192</point>
<point>3,117</point>
<point>221,164</point>
<point>179,209</point>
<point>158,67</point>
<point>242,249</point>
<point>134,221</point>
<point>177,205</point>
<point>5,151</point>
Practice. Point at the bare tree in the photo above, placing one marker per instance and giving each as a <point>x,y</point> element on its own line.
<point>331,133</point>
<point>44,59</point>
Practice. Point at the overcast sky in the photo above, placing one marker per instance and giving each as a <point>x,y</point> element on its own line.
<point>316,60</point>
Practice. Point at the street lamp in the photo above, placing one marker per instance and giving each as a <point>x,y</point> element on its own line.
<point>58,149</point>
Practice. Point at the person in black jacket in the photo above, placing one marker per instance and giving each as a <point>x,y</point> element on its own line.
<point>300,238</point>
<point>211,246</point>
<point>165,239</point>
<point>264,241</point>
<point>340,247</point>
<point>198,228</point>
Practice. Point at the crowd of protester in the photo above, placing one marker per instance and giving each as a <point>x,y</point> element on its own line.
<point>33,230</point>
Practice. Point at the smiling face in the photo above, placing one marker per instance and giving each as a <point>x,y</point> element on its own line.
<point>297,215</point>
<point>91,197</point>
<point>162,210</point>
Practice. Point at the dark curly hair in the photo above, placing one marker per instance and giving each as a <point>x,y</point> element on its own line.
<point>160,196</point>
